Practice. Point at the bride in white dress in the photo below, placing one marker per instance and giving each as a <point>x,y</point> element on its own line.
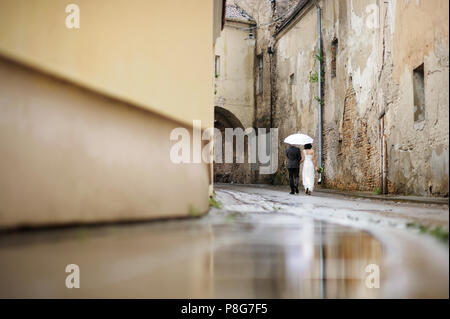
<point>309,168</point>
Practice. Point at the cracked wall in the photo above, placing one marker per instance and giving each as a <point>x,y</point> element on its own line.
<point>378,44</point>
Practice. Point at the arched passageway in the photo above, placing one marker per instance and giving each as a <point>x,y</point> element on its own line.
<point>229,172</point>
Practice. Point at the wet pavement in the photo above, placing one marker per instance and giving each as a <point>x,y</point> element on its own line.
<point>262,243</point>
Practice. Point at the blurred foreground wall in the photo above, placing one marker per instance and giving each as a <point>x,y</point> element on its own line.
<point>86,114</point>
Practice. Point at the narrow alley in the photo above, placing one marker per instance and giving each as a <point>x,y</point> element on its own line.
<point>168,150</point>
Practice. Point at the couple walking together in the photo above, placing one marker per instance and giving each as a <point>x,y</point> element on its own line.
<point>308,159</point>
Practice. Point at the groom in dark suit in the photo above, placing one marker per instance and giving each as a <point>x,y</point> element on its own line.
<point>294,157</point>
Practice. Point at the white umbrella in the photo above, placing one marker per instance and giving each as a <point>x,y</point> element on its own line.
<point>298,139</point>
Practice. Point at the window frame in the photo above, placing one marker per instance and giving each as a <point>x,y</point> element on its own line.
<point>217,66</point>
<point>260,66</point>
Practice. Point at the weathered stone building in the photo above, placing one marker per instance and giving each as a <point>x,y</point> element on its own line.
<point>385,92</point>
<point>384,89</point>
<point>244,74</point>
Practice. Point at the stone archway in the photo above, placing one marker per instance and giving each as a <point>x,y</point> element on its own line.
<point>229,172</point>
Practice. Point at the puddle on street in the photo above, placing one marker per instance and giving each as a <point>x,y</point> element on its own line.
<point>307,259</point>
<point>218,256</point>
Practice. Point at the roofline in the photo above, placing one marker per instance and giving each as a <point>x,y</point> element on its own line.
<point>292,17</point>
<point>249,21</point>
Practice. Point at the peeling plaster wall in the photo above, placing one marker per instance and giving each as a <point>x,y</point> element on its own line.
<point>262,13</point>
<point>295,104</point>
<point>379,45</point>
<point>418,154</point>
<point>350,115</point>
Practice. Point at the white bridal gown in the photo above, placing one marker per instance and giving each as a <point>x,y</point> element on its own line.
<point>308,172</point>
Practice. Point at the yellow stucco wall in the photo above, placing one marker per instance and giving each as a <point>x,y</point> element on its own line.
<point>234,84</point>
<point>70,155</point>
<point>151,53</point>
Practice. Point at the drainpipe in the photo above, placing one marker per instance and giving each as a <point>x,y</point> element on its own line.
<point>319,45</point>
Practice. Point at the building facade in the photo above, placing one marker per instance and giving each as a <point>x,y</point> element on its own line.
<point>385,103</point>
<point>234,103</point>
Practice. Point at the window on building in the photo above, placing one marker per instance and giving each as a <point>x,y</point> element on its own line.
<point>217,66</point>
<point>334,52</point>
<point>260,74</point>
<point>292,79</point>
<point>419,94</point>
<point>291,87</point>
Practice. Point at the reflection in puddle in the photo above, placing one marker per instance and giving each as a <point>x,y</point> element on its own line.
<point>312,259</point>
<point>248,256</point>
